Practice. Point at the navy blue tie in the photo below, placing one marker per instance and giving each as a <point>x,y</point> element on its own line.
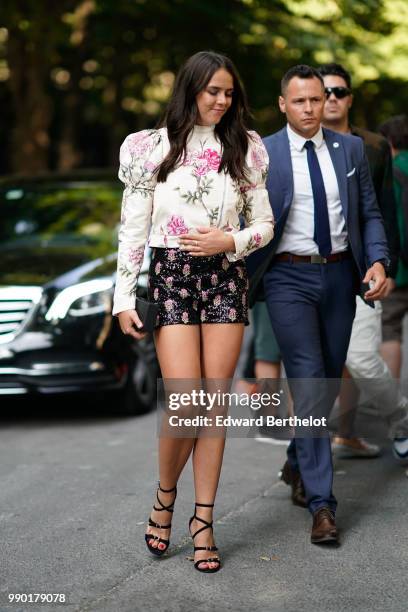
<point>321,215</point>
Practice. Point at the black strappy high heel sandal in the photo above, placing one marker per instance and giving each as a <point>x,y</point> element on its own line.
<point>207,525</point>
<point>149,536</point>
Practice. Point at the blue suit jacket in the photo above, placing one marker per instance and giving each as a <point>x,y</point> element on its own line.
<point>364,223</point>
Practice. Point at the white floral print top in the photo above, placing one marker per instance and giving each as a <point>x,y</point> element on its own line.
<point>194,195</point>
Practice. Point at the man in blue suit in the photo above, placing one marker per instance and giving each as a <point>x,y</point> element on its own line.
<point>329,244</point>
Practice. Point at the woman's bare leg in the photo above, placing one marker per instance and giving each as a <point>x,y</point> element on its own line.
<point>220,348</point>
<point>178,351</point>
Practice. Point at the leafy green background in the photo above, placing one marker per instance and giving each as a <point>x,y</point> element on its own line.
<point>77,76</point>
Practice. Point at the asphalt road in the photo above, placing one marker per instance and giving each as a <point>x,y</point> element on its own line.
<point>76,490</point>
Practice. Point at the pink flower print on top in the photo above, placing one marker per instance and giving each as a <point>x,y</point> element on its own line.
<point>169,282</point>
<point>156,294</point>
<point>203,162</point>
<point>198,284</point>
<point>171,255</point>
<point>214,279</point>
<point>232,315</point>
<point>246,187</point>
<point>232,287</point>
<point>213,159</point>
<point>203,315</point>
<point>157,268</point>
<point>183,293</point>
<point>225,264</point>
<point>189,158</point>
<point>257,239</point>
<point>204,296</point>
<point>149,166</point>
<point>176,226</point>
<point>139,143</point>
<point>201,167</point>
<point>217,300</point>
<point>186,269</point>
<point>258,162</point>
<point>135,256</point>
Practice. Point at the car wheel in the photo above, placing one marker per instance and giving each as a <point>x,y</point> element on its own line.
<point>140,391</point>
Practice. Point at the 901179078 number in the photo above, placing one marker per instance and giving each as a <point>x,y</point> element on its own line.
<point>37,597</point>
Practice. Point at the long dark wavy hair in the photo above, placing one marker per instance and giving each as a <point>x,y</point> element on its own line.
<point>182,112</point>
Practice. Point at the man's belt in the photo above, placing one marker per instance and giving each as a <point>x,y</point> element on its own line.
<point>313,259</point>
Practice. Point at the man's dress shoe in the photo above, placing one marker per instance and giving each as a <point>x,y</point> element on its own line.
<point>324,529</point>
<point>293,478</point>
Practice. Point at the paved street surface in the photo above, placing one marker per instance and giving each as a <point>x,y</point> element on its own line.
<point>75,492</point>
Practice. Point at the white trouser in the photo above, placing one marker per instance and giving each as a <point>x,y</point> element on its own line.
<point>370,371</point>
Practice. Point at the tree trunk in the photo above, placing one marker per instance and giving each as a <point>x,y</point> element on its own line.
<point>29,71</point>
<point>68,154</point>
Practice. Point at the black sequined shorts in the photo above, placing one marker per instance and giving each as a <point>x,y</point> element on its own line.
<point>193,290</point>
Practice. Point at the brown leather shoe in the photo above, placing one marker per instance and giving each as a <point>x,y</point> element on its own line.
<point>324,529</point>
<point>292,478</point>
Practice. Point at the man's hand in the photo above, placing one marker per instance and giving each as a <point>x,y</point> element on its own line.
<point>390,286</point>
<point>376,274</point>
<point>208,241</point>
<point>128,320</point>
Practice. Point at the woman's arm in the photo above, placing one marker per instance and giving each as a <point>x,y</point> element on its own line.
<point>256,209</point>
<point>139,157</point>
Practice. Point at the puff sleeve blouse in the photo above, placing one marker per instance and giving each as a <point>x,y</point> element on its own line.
<point>194,195</point>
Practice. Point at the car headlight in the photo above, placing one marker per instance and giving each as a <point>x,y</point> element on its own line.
<point>83,299</point>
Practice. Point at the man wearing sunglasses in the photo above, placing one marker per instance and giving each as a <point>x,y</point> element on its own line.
<point>364,362</point>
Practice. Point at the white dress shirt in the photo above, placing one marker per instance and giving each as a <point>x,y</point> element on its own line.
<point>298,234</point>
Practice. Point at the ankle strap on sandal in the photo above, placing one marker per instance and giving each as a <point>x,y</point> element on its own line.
<point>166,490</point>
<point>206,524</point>
<point>170,507</point>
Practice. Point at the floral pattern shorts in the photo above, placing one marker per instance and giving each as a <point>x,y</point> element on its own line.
<point>193,290</point>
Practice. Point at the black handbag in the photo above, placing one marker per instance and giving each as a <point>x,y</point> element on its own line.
<point>147,312</point>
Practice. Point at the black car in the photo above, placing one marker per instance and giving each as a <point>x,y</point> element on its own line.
<point>58,236</point>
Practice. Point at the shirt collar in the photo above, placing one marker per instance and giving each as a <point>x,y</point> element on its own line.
<point>298,142</point>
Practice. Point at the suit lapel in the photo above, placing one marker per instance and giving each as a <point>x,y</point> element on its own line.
<point>338,157</point>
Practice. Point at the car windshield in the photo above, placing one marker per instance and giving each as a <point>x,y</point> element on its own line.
<point>71,214</point>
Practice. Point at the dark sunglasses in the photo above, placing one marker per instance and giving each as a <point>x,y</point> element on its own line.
<point>339,92</point>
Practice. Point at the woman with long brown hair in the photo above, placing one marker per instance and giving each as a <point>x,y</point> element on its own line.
<point>187,184</point>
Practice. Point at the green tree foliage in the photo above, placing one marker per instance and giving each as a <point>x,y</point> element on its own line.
<point>77,76</point>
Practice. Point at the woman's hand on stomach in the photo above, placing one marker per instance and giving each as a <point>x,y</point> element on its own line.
<point>207,241</point>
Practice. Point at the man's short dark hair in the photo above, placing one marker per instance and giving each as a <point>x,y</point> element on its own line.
<point>395,131</point>
<point>336,70</point>
<point>303,72</point>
